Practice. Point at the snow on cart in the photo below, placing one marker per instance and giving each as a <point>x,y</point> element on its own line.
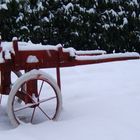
<point>27,101</point>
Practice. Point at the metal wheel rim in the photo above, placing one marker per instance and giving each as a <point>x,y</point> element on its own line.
<point>35,103</point>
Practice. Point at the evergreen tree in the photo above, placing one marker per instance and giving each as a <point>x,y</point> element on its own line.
<point>92,24</point>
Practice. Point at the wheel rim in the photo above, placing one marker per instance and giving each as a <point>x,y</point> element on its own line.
<point>44,107</point>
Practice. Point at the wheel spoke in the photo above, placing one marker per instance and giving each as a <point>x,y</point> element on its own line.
<point>41,101</point>
<point>24,107</point>
<point>44,100</point>
<point>0,98</point>
<point>34,103</point>
<point>33,115</point>
<point>44,112</point>
<point>27,105</point>
<point>40,88</point>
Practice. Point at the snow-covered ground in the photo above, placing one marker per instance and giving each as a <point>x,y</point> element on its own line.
<point>100,102</point>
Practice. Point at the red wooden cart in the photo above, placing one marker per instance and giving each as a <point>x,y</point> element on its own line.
<point>35,93</point>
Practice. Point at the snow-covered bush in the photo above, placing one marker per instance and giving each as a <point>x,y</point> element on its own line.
<point>113,25</point>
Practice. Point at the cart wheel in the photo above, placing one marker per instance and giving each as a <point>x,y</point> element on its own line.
<point>14,77</point>
<point>46,106</point>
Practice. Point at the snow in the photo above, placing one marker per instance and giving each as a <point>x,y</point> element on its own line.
<point>7,54</point>
<point>121,13</point>
<point>3,6</point>
<point>23,46</point>
<point>24,28</point>
<point>113,13</point>
<point>91,11</point>
<point>7,1</point>
<point>40,6</point>
<point>14,39</point>
<point>51,15</point>
<point>32,59</point>
<point>71,51</point>
<point>107,56</point>
<point>20,18</point>
<point>136,2</point>
<point>125,21</point>
<point>100,102</point>
<point>68,7</point>
<point>91,52</point>
<point>134,14</point>
<point>36,27</point>
<point>82,9</point>
<point>46,19</point>
<point>74,33</point>
<point>106,26</point>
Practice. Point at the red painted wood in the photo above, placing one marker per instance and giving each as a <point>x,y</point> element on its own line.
<point>46,59</point>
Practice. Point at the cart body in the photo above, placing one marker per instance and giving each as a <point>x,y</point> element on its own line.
<point>16,56</point>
